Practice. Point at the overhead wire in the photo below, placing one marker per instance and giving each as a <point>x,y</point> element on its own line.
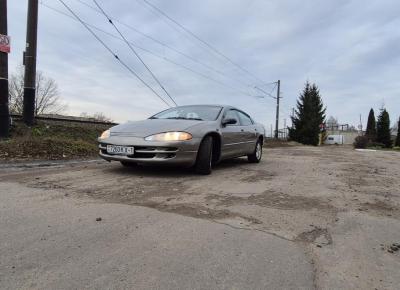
<point>205,43</point>
<point>134,51</point>
<point>268,94</point>
<point>164,44</point>
<point>151,53</point>
<point>112,52</point>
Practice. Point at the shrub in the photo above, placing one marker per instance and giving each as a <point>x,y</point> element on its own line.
<point>361,142</point>
<point>376,145</point>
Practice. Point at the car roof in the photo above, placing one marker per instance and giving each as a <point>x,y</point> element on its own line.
<point>209,105</point>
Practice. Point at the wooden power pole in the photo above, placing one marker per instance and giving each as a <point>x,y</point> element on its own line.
<point>30,63</point>
<point>4,50</point>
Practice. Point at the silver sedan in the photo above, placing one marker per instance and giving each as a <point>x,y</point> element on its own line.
<point>197,135</point>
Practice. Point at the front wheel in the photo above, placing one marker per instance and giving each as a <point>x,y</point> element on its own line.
<point>204,156</point>
<point>255,157</point>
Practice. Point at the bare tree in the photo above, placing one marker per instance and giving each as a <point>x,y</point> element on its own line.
<point>47,100</point>
<point>99,116</point>
<point>332,123</point>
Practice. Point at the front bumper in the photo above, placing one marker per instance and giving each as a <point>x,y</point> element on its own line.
<point>152,152</point>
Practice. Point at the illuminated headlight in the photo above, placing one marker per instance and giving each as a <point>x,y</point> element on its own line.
<point>169,136</point>
<point>105,134</point>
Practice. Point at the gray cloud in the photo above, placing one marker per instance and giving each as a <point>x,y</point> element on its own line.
<point>349,48</point>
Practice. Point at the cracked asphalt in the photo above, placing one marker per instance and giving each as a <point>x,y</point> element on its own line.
<point>304,218</point>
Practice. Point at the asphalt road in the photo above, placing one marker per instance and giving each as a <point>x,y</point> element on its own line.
<point>304,218</point>
<point>52,242</point>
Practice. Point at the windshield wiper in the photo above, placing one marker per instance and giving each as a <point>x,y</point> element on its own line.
<point>153,117</point>
<point>183,118</point>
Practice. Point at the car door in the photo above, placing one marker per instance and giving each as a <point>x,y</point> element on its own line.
<point>232,136</point>
<point>248,131</point>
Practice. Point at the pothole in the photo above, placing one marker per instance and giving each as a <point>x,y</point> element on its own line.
<point>319,236</point>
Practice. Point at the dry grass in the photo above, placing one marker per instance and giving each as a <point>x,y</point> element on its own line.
<point>51,141</point>
<point>272,143</point>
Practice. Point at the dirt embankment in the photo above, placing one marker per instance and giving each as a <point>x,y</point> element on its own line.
<point>51,141</point>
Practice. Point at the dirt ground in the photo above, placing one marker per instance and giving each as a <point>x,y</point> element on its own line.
<point>340,205</point>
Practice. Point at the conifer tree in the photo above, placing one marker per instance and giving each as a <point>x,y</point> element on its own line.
<point>398,135</point>
<point>309,115</point>
<point>383,134</point>
<point>371,126</point>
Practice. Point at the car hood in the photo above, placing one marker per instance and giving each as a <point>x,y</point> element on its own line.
<point>152,126</point>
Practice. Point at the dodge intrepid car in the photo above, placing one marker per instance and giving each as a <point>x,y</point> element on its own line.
<point>196,136</point>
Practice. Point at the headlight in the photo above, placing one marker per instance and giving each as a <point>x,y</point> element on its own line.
<point>169,136</point>
<point>105,134</point>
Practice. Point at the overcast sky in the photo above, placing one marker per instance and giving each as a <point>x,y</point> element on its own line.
<point>350,49</point>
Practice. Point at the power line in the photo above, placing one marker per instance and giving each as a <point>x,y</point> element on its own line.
<point>152,53</point>
<point>134,51</point>
<point>268,94</point>
<point>165,44</point>
<point>111,51</point>
<point>209,46</point>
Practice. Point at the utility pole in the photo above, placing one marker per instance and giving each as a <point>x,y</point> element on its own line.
<point>4,111</point>
<point>277,109</point>
<point>278,93</point>
<point>30,63</point>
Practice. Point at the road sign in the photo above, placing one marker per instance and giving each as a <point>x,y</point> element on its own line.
<point>5,43</point>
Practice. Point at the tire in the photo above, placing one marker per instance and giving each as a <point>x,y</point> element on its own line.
<point>256,156</point>
<point>204,156</point>
<point>128,164</point>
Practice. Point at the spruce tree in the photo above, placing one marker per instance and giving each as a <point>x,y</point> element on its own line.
<point>371,126</point>
<point>383,134</point>
<point>309,115</point>
<point>398,135</point>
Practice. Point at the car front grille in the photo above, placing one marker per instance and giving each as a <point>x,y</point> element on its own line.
<point>147,152</point>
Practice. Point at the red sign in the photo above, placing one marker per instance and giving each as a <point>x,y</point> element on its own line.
<point>5,43</point>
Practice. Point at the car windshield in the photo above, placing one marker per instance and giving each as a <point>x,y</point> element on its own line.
<point>201,113</point>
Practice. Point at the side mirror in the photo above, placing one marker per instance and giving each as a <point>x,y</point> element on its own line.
<point>229,122</point>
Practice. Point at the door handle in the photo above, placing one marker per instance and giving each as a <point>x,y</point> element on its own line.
<point>242,130</point>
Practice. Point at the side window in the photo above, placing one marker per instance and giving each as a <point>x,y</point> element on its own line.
<point>232,114</point>
<point>244,119</point>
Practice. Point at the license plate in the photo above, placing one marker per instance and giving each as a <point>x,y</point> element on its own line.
<point>121,150</point>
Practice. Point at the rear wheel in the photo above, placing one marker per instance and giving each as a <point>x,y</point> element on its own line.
<point>255,157</point>
<point>204,156</point>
